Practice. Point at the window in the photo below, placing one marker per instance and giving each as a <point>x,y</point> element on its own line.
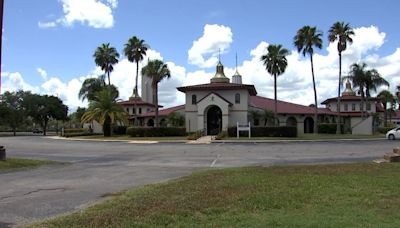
<point>194,99</point>
<point>237,98</point>
<point>368,106</point>
<point>127,110</point>
<point>133,110</point>
<point>346,107</point>
<point>353,107</point>
<point>140,110</point>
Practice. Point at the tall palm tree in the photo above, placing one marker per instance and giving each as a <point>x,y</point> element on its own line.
<point>305,40</point>
<point>105,57</point>
<point>386,97</point>
<point>105,110</point>
<point>341,32</point>
<point>135,50</point>
<point>90,87</point>
<point>275,63</point>
<point>157,70</point>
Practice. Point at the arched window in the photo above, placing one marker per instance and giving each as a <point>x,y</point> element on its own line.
<point>194,99</point>
<point>237,98</point>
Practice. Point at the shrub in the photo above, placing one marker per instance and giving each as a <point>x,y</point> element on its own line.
<point>282,131</point>
<point>119,130</point>
<point>329,128</point>
<point>384,130</point>
<point>71,132</point>
<point>221,135</point>
<point>195,135</point>
<point>155,131</point>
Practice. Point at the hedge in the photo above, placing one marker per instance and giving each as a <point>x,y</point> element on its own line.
<point>384,130</point>
<point>119,130</point>
<point>155,131</point>
<point>71,132</point>
<point>329,128</point>
<point>283,131</point>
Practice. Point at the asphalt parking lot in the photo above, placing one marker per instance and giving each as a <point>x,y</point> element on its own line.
<point>97,168</point>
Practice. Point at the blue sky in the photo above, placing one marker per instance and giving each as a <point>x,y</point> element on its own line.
<point>48,44</point>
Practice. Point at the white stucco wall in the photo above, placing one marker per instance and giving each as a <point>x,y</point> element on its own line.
<point>360,126</point>
<point>196,114</point>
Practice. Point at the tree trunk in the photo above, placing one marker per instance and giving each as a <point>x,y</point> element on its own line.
<point>107,127</point>
<point>338,126</point>
<point>14,131</point>
<point>45,127</point>
<point>276,102</point>
<point>136,80</point>
<point>385,115</point>
<point>155,99</point>
<point>315,97</point>
<point>108,76</point>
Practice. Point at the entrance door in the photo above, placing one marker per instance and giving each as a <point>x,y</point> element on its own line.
<point>214,120</point>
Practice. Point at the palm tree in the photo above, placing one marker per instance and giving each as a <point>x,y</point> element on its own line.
<point>135,50</point>
<point>341,32</point>
<point>275,63</point>
<point>305,40</point>
<point>373,81</point>
<point>105,57</point>
<point>157,70</point>
<point>386,97</point>
<point>365,80</point>
<point>105,110</point>
<point>90,87</point>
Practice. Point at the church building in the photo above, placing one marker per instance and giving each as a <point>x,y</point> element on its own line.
<point>215,106</point>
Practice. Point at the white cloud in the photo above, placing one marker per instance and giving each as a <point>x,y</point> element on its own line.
<point>295,85</point>
<point>94,13</point>
<point>14,81</point>
<point>204,52</point>
<point>42,73</point>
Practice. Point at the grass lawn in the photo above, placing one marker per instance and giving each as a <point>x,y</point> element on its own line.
<point>17,163</point>
<point>345,195</point>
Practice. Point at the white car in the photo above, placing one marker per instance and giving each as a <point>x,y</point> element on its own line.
<point>393,134</point>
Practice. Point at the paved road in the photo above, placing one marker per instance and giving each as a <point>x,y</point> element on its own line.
<point>97,168</point>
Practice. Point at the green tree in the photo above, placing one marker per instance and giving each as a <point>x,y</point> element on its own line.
<point>386,98</point>
<point>90,87</point>
<point>43,108</point>
<point>275,63</point>
<point>157,70</point>
<point>341,32</point>
<point>176,119</point>
<point>105,110</point>
<point>12,112</point>
<point>105,57</point>
<point>365,80</point>
<point>135,50</point>
<point>305,40</point>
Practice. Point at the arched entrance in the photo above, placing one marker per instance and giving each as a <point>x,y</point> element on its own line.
<point>291,122</point>
<point>214,120</point>
<point>150,123</point>
<point>308,125</point>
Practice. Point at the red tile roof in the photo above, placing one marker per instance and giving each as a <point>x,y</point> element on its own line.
<point>219,86</point>
<point>285,107</point>
<point>165,112</point>
<point>137,101</point>
<point>348,98</point>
